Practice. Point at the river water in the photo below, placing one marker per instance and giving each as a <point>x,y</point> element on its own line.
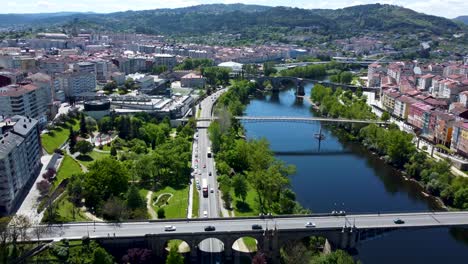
<point>345,176</point>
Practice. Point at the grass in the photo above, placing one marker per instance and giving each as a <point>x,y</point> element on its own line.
<point>68,167</point>
<point>57,137</point>
<point>90,158</point>
<point>247,208</point>
<point>65,211</point>
<point>250,243</point>
<point>195,202</point>
<point>177,207</point>
<point>162,199</point>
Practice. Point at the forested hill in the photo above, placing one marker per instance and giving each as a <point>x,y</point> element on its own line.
<point>254,19</point>
<point>463,19</point>
<point>240,18</point>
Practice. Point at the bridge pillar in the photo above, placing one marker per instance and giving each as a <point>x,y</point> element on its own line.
<point>194,252</point>
<point>300,89</point>
<point>271,246</point>
<point>156,245</point>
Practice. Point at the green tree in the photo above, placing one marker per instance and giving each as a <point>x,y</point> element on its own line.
<point>113,151</point>
<point>335,257</point>
<point>105,177</point>
<point>346,77</point>
<point>161,213</point>
<point>100,256</point>
<point>385,116</point>
<point>268,68</point>
<point>105,124</point>
<point>84,147</point>
<point>130,84</point>
<point>83,127</point>
<point>239,184</point>
<point>110,87</point>
<point>91,124</point>
<point>461,198</point>
<point>72,140</point>
<point>134,199</point>
<point>174,257</point>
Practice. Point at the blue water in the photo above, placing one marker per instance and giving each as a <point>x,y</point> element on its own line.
<point>347,177</point>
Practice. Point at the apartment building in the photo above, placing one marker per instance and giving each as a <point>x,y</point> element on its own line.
<point>27,100</point>
<point>75,83</point>
<point>20,159</point>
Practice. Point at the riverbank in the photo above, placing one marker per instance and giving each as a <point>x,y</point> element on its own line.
<point>393,146</point>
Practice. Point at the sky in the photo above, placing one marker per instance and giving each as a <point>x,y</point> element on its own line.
<point>445,8</point>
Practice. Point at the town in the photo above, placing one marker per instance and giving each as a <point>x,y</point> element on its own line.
<point>102,130</point>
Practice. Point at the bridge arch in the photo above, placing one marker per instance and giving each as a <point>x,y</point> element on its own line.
<point>246,244</point>
<point>209,244</point>
<point>182,245</point>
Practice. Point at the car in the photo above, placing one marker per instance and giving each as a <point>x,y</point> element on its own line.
<point>198,187</point>
<point>398,221</point>
<point>209,173</point>
<point>204,166</point>
<point>212,190</point>
<point>169,228</point>
<point>205,214</point>
<point>210,228</point>
<point>257,226</point>
<point>310,224</point>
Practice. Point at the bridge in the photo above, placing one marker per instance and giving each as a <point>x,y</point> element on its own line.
<point>341,231</point>
<point>265,119</point>
<point>299,83</point>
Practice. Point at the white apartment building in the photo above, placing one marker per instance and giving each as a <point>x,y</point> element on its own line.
<point>75,83</point>
<point>20,159</point>
<point>26,100</point>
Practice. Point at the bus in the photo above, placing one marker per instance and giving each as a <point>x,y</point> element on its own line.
<point>205,187</point>
<point>208,152</point>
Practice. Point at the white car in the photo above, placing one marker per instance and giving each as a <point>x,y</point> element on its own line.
<point>170,228</point>
<point>310,224</point>
<point>212,190</point>
<point>205,214</point>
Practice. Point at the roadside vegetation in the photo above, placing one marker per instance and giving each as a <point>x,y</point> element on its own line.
<point>395,146</point>
<point>58,132</point>
<point>251,180</point>
<point>143,157</point>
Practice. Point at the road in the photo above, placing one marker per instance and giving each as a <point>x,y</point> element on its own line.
<point>209,206</point>
<point>429,219</point>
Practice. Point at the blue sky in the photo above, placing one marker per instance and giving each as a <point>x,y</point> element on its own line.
<point>446,8</point>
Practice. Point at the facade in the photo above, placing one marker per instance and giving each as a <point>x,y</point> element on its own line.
<point>442,126</point>
<point>420,116</point>
<point>75,83</point>
<point>26,100</point>
<point>402,105</point>
<point>164,60</point>
<point>459,142</point>
<point>193,80</point>
<point>97,109</point>
<point>388,99</point>
<point>20,159</point>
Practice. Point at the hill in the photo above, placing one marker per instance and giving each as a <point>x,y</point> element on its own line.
<point>463,19</point>
<point>253,21</point>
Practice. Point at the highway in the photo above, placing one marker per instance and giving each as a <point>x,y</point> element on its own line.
<point>204,167</point>
<point>330,222</point>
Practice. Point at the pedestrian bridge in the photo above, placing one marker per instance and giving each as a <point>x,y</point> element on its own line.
<point>283,119</point>
<point>341,231</point>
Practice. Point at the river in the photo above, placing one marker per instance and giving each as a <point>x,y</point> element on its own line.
<point>345,176</point>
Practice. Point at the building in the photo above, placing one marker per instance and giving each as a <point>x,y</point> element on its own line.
<point>85,67</point>
<point>442,126</point>
<point>118,78</point>
<point>193,80</point>
<point>26,100</point>
<point>20,160</point>
<point>420,116</point>
<point>236,68</point>
<point>459,142</point>
<point>402,105</point>
<point>97,109</point>
<point>425,82</point>
<point>388,99</point>
<point>164,60</point>
<point>75,83</point>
